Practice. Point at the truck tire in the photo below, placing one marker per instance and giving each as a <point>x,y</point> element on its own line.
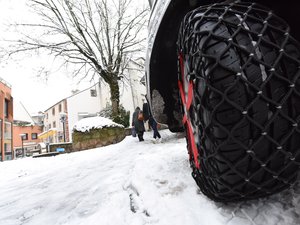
<point>244,68</point>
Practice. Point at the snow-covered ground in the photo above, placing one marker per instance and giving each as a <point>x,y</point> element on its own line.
<point>127,183</point>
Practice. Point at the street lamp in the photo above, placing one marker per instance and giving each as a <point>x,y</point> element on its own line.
<point>63,118</point>
<point>22,139</point>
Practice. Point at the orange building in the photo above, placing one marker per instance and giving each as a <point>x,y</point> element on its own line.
<point>6,121</point>
<point>26,138</point>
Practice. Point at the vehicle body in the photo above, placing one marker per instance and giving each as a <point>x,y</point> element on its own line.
<point>165,65</point>
<point>161,58</point>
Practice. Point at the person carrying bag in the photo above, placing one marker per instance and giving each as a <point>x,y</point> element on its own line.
<point>138,123</point>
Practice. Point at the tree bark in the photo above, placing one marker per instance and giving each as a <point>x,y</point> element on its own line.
<point>114,96</point>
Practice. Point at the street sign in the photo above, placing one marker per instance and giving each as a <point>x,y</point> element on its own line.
<point>60,149</point>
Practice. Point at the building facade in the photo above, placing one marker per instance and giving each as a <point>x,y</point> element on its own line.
<point>55,124</point>
<point>132,94</point>
<point>25,139</point>
<point>6,122</point>
<point>86,103</point>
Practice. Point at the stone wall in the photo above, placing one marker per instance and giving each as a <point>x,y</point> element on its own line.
<point>97,137</point>
<point>67,146</point>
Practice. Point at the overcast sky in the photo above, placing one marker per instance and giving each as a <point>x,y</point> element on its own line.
<point>35,93</point>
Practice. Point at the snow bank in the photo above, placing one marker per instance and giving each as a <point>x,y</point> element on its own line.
<point>129,183</point>
<point>93,123</point>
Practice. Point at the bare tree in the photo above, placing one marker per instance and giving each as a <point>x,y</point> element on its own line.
<point>96,36</point>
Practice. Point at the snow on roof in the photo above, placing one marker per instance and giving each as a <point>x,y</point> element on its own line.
<point>93,123</point>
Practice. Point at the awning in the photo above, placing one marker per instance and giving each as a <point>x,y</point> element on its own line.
<point>47,134</point>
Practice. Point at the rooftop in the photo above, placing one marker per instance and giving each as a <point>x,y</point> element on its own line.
<point>5,82</point>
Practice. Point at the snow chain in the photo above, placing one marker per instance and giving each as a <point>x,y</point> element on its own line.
<point>186,99</point>
<point>274,72</point>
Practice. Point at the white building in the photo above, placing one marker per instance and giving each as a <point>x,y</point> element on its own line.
<point>54,129</point>
<point>133,92</point>
<point>86,103</point>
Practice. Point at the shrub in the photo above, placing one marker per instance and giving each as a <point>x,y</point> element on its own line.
<point>122,118</point>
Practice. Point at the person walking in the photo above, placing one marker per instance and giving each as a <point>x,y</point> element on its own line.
<point>153,125</point>
<point>138,123</point>
<point>151,121</point>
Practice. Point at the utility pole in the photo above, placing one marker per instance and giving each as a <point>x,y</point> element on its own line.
<point>63,118</point>
<point>22,140</point>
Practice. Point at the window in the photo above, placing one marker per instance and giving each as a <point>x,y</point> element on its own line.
<point>49,126</point>
<point>7,131</point>
<point>25,136</point>
<point>93,92</point>
<point>6,108</point>
<point>54,124</point>
<point>34,136</point>
<point>46,115</point>
<point>53,111</point>
<point>7,149</point>
<point>59,108</point>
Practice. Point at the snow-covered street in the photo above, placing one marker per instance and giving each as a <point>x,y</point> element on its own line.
<point>127,183</point>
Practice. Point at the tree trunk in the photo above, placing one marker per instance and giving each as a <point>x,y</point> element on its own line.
<point>115,97</point>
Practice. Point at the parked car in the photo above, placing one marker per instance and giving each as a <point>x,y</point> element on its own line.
<point>227,73</point>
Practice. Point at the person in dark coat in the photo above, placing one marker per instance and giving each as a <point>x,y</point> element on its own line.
<point>153,125</point>
<point>151,121</point>
<point>138,124</point>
